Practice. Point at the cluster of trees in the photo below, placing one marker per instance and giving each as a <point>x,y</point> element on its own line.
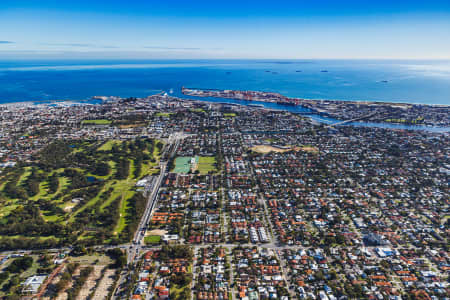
<point>101,168</point>
<point>3,276</point>
<point>122,168</point>
<point>181,279</point>
<point>11,243</point>
<point>33,181</point>
<point>53,183</point>
<point>176,251</point>
<point>73,292</point>
<point>118,256</point>
<point>26,220</point>
<point>66,277</point>
<point>135,210</point>
<point>16,267</point>
<point>55,156</point>
<point>12,288</point>
<point>137,166</point>
<point>77,179</point>
<point>11,189</point>
<point>20,264</point>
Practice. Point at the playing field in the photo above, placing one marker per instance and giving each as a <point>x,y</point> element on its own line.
<point>206,164</point>
<point>96,122</point>
<point>152,239</point>
<point>182,165</point>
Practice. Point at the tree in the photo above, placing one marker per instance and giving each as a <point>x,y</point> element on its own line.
<point>20,264</point>
<point>101,169</point>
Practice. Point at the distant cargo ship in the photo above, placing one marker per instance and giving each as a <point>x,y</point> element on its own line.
<point>324,71</point>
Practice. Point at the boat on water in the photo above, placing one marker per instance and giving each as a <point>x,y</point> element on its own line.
<point>298,71</point>
<point>324,71</point>
<point>256,105</point>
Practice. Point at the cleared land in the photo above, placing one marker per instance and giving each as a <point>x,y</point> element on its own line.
<point>267,149</point>
<point>104,285</point>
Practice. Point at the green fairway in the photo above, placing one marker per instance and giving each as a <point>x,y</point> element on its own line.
<point>74,190</point>
<point>96,122</point>
<point>108,145</point>
<point>123,207</point>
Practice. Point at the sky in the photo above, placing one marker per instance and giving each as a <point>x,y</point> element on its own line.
<point>189,29</point>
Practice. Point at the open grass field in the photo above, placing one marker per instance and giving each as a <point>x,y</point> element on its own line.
<point>161,114</point>
<point>206,164</point>
<point>182,165</point>
<point>96,122</point>
<point>107,146</point>
<point>152,239</point>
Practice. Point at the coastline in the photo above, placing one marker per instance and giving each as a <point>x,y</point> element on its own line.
<point>318,117</point>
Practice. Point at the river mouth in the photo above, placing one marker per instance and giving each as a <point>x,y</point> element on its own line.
<point>298,109</point>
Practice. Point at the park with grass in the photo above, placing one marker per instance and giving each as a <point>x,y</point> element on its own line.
<point>152,240</point>
<point>76,192</point>
<point>96,122</point>
<point>197,164</point>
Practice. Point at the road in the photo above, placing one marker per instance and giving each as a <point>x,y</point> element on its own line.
<point>352,120</point>
<point>138,244</point>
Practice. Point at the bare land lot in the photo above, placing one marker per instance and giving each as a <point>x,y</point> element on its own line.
<point>267,149</point>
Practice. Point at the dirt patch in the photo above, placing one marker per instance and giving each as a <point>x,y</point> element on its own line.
<point>90,283</point>
<point>63,295</point>
<point>156,232</point>
<point>307,149</point>
<point>69,208</point>
<point>132,125</point>
<point>266,149</point>
<point>104,285</point>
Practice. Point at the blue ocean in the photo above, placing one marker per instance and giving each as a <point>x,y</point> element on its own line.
<point>375,80</point>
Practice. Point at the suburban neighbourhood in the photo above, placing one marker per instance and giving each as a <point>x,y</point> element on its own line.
<point>168,198</point>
